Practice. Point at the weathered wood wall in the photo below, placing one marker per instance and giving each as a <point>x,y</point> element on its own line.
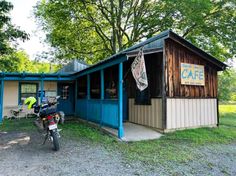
<point>177,54</point>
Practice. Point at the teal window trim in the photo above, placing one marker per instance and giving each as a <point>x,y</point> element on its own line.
<point>19,92</point>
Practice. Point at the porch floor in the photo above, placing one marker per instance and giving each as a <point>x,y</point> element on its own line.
<point>134,132</point>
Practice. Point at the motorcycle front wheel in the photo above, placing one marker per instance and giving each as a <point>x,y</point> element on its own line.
<point>55,140</point>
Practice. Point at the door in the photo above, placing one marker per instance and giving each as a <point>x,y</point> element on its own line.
<point>66,91</point>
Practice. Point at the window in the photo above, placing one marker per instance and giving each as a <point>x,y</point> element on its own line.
<point>28,90</point>
<point>111,82</point>
<point>82,87</point>
<point>153,63</point>
<point>65,92</point>
<point>95,85</point>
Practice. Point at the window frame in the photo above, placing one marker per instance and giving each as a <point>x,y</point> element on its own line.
<point>65,92</point>
<point>113,73</point>
<point>20,91</point>
<point>84,86</point>
<point>94,86</point>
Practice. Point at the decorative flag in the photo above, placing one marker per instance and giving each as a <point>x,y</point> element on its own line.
<point>139,71</point>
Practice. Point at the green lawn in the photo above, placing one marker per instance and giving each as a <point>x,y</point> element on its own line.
<point>177,146</point>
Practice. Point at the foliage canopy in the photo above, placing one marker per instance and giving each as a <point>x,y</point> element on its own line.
<point>92,30</point>
<point>8,38</point>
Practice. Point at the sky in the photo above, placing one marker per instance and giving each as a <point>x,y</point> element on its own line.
<point>22,16</point>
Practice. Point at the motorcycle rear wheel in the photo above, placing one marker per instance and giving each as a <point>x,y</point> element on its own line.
<point>55,141</point>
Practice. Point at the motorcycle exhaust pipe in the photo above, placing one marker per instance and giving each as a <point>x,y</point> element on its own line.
<point>62,117</point>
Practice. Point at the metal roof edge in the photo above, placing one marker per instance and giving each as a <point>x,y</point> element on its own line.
<point>33,74</point>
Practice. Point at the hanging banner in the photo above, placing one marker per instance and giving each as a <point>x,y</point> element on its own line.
<point>139,71</point>
<point>192,74</point>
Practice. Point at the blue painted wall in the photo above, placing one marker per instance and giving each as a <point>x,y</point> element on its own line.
<point>81,108</point>
<point>107,109</point>
<point>93,110</point>
<point>110,113</point>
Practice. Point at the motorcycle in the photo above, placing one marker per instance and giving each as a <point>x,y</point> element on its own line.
<point>47,121</point>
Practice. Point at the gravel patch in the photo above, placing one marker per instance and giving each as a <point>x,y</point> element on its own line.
<point>23,154</point>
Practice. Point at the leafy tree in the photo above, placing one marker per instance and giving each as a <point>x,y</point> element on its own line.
<point>8,36</point>
<point>227,85</point>
<point>92,30</point>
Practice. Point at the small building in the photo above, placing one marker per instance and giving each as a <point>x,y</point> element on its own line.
<point>181,92</point>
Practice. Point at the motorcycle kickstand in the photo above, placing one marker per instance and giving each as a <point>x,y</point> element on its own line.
<point>45,139</point>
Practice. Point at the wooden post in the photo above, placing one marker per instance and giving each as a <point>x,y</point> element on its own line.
<point>88,87</point>
<point>1,100</point>
<point>88,95</point>
<point>76,95</point>
<point>102,95</point>
<point>41,89</point>
<point>164,86</point>
<point>120,102</point>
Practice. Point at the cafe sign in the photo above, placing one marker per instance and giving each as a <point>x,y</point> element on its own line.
<point>192,74</point>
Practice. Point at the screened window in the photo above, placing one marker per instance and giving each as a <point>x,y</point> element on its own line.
<point>153,63</point>
<point>28,90</point>
<point>82,87</point>
<point>111,82</point>
<point>95,85</point>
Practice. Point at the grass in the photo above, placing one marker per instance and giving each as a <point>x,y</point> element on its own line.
<point>177,146</point>
<point>17,125</point>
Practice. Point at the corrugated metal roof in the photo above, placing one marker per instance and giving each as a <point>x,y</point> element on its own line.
<point>73,67</point>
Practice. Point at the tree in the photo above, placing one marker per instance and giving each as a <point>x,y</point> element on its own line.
<point>227,85</point>
<point>8,36</point>
<point>92,30</point>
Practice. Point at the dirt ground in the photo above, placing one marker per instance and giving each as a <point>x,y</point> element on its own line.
<point>22,154</point>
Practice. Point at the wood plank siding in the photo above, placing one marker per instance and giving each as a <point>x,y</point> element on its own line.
<point>177,54</point>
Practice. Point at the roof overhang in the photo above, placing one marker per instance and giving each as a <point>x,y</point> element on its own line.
<point>145,52</point>
<point>218,64</point>
<point>35,77</point>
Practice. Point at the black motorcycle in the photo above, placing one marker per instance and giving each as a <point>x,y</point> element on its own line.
<point>47,121</point>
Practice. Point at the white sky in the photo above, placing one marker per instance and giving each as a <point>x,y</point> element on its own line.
<point>22,16</point>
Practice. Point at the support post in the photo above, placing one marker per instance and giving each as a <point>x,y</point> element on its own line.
<point>88,95</point>
<point>102,94</point>
<point>120,102</point>
<point>164,86</point>
<point>41,89</point>
<point>88,87</point>
<point>1,100</point>
<point>76,95</point>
